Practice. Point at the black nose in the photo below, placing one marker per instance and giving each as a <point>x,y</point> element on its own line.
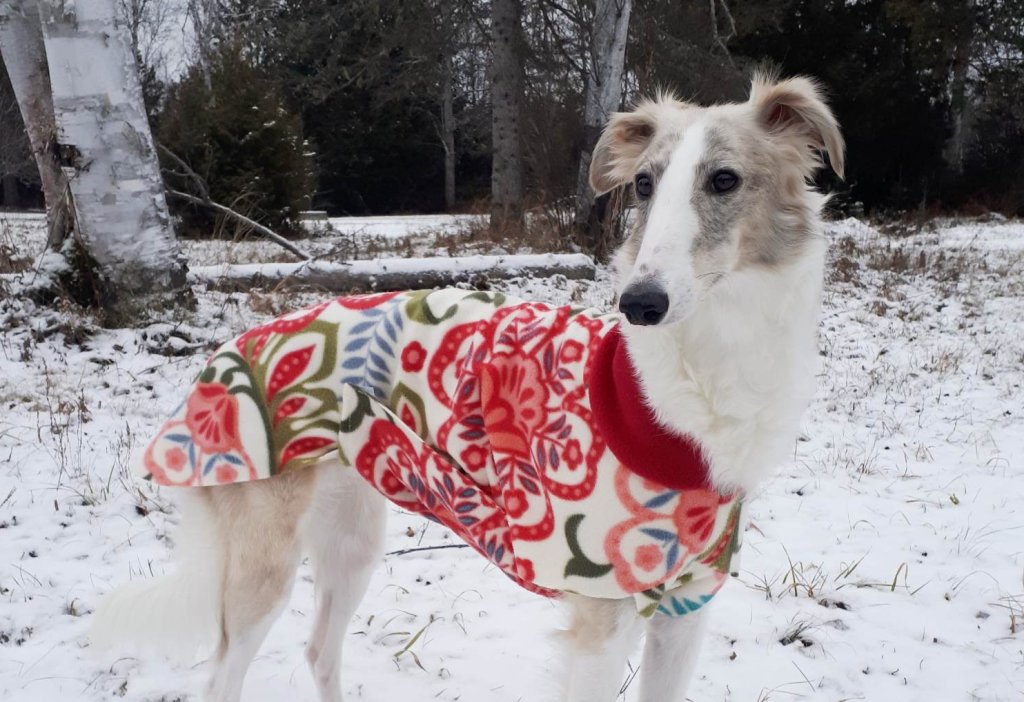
<point>644,304</point>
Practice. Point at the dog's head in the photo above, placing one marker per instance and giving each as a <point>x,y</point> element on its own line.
<point>719,190</point>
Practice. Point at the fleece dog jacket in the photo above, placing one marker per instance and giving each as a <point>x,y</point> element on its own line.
<point>521,427</point>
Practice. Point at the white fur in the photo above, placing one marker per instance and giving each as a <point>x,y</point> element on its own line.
<point>739,371</point>
<point>671,227</point>
<point>174,614</point>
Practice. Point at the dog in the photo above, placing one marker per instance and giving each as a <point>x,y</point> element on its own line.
<point>545,437</point>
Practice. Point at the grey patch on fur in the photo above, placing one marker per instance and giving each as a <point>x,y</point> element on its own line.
<point>717,213</point>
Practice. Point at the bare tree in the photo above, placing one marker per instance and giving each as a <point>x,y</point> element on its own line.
<point>506,100</point>
<point>604,66</point>
<point>150,23</point>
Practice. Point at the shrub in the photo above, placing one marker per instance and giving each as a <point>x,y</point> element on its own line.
<point>232,128</point>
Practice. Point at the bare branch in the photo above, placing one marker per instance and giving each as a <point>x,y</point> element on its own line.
<point>712,6</point>
<point>200,183</point>
<point>239,217</point>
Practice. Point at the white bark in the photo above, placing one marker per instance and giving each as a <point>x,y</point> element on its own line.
<point>107,148</point>
<point>605,62</point>
<point>24,56</point>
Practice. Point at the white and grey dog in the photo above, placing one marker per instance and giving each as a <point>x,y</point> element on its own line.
<point>720,282</point>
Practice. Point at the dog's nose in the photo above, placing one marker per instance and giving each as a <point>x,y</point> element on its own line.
<point>644,304</point>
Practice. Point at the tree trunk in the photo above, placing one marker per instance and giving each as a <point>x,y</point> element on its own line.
<point>24,56</point>
<point>506,98</point>
<point>605,63</point>
<point>107,150</point>
<point>392,274</point>
<point>448,134</point>
<point>959,104</point>
<point>205,17</point>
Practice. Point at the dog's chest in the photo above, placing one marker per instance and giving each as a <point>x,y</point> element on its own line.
<point>475,411</point>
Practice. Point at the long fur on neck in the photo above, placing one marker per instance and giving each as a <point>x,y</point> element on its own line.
<point>739,372</point>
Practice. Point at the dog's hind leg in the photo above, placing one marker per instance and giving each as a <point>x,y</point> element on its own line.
<point>601,635</point>
<point>345,537</point>
<point>259,522</point>
<point>670,655</point>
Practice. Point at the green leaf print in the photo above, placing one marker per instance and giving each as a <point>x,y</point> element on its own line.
<point>579,564</point>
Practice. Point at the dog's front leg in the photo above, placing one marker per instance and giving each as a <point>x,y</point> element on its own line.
<point>670,654</point>
<point>601,635</point>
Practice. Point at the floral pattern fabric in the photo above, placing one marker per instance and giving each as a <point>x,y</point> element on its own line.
<point>471,409</point>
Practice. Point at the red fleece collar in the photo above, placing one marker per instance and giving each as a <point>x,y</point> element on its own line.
<point>630,429</point>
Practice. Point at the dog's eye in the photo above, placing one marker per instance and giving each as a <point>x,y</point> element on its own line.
<point>723,181</point>
<point>644,185</point>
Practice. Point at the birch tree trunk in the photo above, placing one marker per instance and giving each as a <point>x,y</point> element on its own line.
<point>107,150</point>
<point>605,62</point>
<point>506,98</point>
<point>24,55</point>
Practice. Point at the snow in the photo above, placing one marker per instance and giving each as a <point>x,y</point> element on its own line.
<point>886,552</point>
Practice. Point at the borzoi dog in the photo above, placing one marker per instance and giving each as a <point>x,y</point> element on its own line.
<point>590,459</point>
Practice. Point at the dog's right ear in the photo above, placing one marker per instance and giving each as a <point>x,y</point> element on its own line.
<point>617,153</point>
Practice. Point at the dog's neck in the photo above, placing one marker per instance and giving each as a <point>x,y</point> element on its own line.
<point>739,372</point>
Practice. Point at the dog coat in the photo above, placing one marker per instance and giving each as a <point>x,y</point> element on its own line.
<point>521,427</point>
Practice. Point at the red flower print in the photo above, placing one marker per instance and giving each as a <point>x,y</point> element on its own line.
<point>524,569</point>
<point>390,484</point>
<point>694,517</point>
<point>365,302</point>
<point>648,557</point>
<point>571,351</point>
<point>573,454</point>
<point>175,458</point>
<point>515,503</point>
<point>514,400</point>
<point>211,415</point>
<point>413,357</point>
<point>474,458</point>
<point>226,474</point>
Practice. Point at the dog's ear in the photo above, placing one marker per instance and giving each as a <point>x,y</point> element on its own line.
<point>618,151</point>
<point>794,111</point>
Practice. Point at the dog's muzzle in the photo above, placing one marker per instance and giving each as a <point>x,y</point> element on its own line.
<point>644,303</point>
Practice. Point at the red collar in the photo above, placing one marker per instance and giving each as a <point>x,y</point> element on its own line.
<point>628,426</point>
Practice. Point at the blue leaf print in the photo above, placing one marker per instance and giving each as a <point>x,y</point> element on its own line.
<point>357,343</point>
<point>372,345</point>
<point>659,534</point>
<point>673,556</point>
<point>659,500</point>
<point>361,327</point>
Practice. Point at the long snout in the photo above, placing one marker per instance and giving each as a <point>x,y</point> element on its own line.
<point>644,303</point>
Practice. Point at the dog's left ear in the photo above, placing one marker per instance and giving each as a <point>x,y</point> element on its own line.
<point>623,141</point>
<point>793,110</point>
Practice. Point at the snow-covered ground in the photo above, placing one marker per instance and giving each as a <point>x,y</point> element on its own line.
<point>885,561</point>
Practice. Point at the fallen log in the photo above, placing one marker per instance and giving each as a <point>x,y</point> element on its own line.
<point>391,273</point>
